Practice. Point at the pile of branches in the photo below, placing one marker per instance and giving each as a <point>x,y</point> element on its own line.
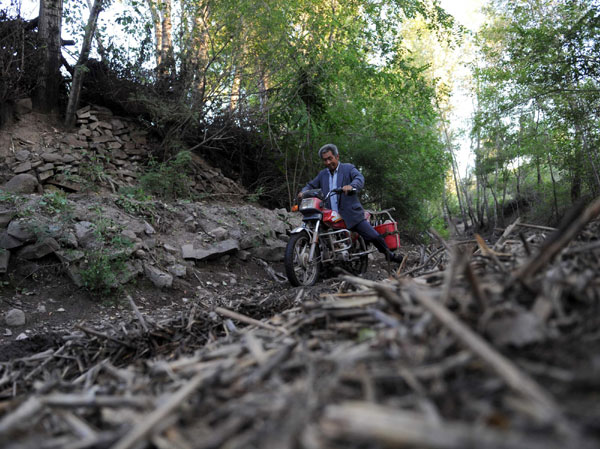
<point>471,345</point>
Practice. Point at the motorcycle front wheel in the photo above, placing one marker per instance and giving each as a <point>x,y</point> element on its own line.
<point>299,270</point>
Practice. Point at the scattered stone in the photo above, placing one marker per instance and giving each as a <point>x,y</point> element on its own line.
<point>52,157</point>
<point>85,234</point>
<point>169,248</point>
<point>148,229</point>
<point>9,242</point>
<point>159,278</point>
<point>41,308</point>
<point>22,168</point>
<point>14,318</point>
<point>4,259</point>
<point>22,336</point>
<point>21,230</point>
<point>23,106</point>
<point>7,333</point>
<point>22,155</point>
<point>217,250</point>
<point>23,183</point>
<point>6,216</point>
<point>39,249</point>
<point>273,251</point>
<point>219,233</point>
<point>60,309</point>
<point>178,270</point>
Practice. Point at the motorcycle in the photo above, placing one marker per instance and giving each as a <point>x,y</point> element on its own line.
<point>323,242</point>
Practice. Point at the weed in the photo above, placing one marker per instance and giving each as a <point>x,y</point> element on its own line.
<point>56,202</point>
<point>169,179</point>
<point>255,197</point>
<point>102,271</point>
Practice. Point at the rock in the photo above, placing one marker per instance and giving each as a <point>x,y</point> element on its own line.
<point>178,270</point>
<point>8,242</point>
<point>4,259</point>
<point>39,249</point>
<point>22,336</point>
<point>159,278</point>
<point>129,235</point>
<point>74,274</point>
<point>14,318</point>
<point>273,251</point>
<point>148,229</point>
<point>22,155</point>
<point>52,157</point>
<point>41,308</point>
<point>23,183</point>
<point>23,106</point>
<point>85,234</point>
<point>7,333</point>
<point>45,167</point>
<point>219,233</point>
<point>217,250</point>
<point>6,216</point>
<point>46,175</point>
<point>243,255</point>
<point>22,230</point>
<point>170,249</point>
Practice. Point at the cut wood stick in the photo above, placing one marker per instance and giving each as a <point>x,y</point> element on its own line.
<point>107,337</point>
<point>137,312</point>
<point>555,245</point>
<point>148,423</point>
<point>546,408</point>
<point>505,234</point>
<point>399,428</point>
<point>246,319</point>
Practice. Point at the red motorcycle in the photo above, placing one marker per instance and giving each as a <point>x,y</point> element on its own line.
<point>323,242</point>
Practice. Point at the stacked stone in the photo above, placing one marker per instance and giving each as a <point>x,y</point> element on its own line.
<point>112,142</point>
<point>102,141</point>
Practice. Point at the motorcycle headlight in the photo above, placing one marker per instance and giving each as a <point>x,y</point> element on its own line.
<point>310,203</point>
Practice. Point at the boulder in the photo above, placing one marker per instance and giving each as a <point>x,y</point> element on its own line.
<point>85,234</point>
<point>272,251</point>
<point>39,249</point>
<point>219,233</point>
<point>6,216</point>
<point>178,270</point>
<point>4,258</point>
<point>22,230</point>
<point>14,317</point>
<point>219,249</point>
<point>8,242</point>
<point>23,183</point>
<point>158,277</point>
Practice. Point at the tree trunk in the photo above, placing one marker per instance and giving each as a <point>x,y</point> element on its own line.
<point>46,93</point>
<point>80,67</point>
<point>157,31</point>
<point>167,56</point>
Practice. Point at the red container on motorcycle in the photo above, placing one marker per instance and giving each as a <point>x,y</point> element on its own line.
<point>389,230</point>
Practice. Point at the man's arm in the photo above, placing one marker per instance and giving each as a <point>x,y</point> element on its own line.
<point>357,179</point>
<point>314,184</point>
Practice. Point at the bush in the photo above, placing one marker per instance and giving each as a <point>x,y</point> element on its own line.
<point>169,179</point>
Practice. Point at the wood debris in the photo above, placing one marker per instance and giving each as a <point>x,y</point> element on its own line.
<point>412,361</point>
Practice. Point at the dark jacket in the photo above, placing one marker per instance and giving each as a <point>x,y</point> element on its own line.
<point>349,206</point>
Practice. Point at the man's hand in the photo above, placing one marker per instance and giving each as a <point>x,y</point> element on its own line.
<point>347,189</point>
<point>299,195</point>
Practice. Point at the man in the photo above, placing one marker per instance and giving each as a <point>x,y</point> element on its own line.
<point>347,177</point>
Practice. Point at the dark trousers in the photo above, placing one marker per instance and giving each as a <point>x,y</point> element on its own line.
<point>370,235</point>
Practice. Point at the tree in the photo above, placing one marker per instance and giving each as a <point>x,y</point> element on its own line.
<point>46,94</point>
<point>80,67</point>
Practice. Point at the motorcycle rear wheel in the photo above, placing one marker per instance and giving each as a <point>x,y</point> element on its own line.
<point>299,270</point>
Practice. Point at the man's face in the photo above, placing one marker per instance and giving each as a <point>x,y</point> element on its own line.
<point>330,161</point>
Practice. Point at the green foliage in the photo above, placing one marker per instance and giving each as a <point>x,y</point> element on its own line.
<point>539,104</point>
<point>56,202</point>
<point>135,201</point>
<point>105,262</point>
<point>169,179</point>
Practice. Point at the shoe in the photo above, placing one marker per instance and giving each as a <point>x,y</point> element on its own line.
<point>395,257</point>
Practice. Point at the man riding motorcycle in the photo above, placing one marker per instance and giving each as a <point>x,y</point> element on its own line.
<point>347,177</point>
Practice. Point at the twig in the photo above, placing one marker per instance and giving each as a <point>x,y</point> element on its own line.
<point>248,320</point>
<point>138,314</point>
<point>148,423</point>
<point>556,244</point>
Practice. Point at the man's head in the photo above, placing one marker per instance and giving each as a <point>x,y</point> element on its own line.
<point>330,156</point>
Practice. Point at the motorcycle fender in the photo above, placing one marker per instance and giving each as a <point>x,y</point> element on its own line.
<point>298,230</point>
